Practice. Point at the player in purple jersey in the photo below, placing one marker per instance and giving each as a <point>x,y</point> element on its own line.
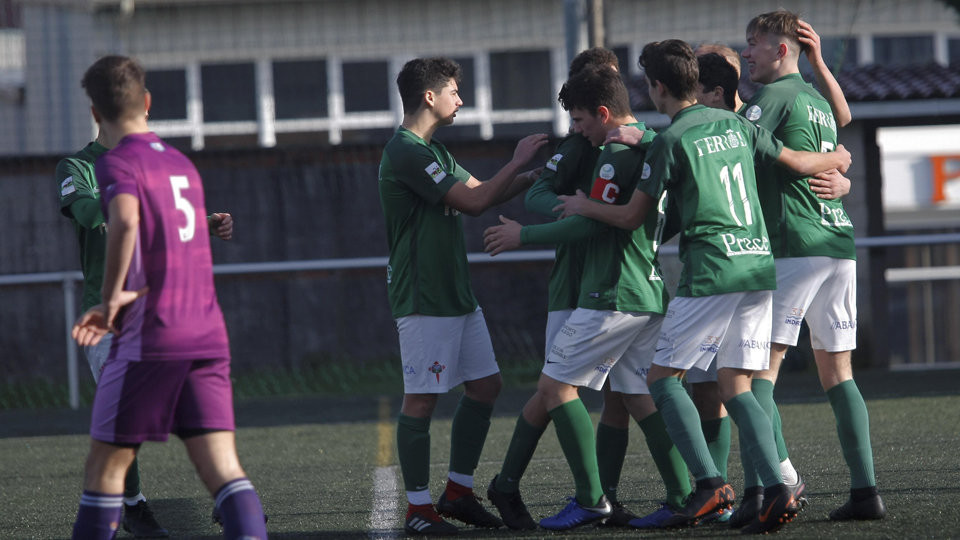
<point>169,364</point>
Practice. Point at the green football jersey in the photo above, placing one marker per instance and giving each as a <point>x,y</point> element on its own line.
<point>427,273</point>
<point>568,170</point>
<point>76,181</point>
<point>800,224</point>
<point>620,271</point>
<point>704,160</point>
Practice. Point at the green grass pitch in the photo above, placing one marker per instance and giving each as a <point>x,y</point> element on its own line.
<point>315,460</point>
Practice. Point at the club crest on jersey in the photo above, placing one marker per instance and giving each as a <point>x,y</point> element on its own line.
<point>436,369</point>
<point>157,146</point>
<point>554,162</point>
<point>753,113</point>
<point>646,171</point>
<point>436,172</point>
<point>733,140</point>
<point>607,172</point>
<point>67,187</point>
<point>605,190</point>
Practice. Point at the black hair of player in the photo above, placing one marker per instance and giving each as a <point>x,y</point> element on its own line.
<point>715,70</point>
<point>593,87</point>
<point>116,86</point>
<point>593,57</point>
<point>422,74</point>
<point>673,63</point>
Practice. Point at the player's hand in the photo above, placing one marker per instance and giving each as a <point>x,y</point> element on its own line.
<point>845,158</point>
<point>810,40</point>
<point>221,225</point>
<point>98,320</point>
<point>571,205</point>
<point>829,184</point>
<point>500,238</point>
<point>528,147</point>
<point>527,178</point>
<point>627,135</point>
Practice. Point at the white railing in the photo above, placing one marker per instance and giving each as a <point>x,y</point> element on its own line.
<point>69,279</point>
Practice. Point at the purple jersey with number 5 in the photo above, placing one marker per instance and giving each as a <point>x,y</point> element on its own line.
<point>179,318</point>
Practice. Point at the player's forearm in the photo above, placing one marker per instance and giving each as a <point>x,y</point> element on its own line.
<point>571,229</point>
<point>541,199</point>
<point>831,90</point>
<point>810,163</point>
<point>517,185</point>
<point>121,242</point>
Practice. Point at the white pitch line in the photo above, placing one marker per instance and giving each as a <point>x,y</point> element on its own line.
<point>385,508</point>
<point>383,516</point>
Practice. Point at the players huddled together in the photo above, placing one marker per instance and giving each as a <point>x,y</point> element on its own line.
<point>751,189</point>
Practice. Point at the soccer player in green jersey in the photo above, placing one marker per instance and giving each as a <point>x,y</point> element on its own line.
<point>812,240</point>
<point>444,340</point>
<point>621,299</point>
<point>80,202</point>
<point>721,314</point>
<point>568,170</point>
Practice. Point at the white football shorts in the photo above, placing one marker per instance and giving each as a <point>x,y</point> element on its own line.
<point>555,320</point>
<point>97,355</point>
<point>438,353</point>
<point>734,328</point>
<point>593,344</point>
<point>822,290</point>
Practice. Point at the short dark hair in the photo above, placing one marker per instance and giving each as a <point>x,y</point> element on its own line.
<point>781,22</point>
<point>116,86</point>
<point>673,64</point>
<point>716,71</point>
<point>593,57</point>
<point>593,87</point>
<point>422,74</point>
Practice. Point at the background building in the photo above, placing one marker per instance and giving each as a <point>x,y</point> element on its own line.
<point>285,103</point>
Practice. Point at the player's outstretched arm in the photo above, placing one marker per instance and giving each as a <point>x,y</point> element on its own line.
<point>825,79</point>
<point>221,225</point>
<point>811,163</point>
<point>829,184</point>
<point>474,197</point>
<point>628,216</point>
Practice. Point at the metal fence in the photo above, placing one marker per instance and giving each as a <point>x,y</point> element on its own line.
<point>924,276</point>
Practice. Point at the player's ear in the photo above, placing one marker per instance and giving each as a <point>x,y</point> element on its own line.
<point>603,114</point>
<point>782,50</point>
<point>147,102</point>
<point>429,98</point>
<point>96,115</point>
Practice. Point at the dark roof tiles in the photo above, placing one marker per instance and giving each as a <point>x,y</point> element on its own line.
<point>864,83</point>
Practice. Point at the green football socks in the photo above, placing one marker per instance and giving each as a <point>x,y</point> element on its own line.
<point>683,424</point>
<point>413,452</point>
<point>523,444</point>
<point>611,451</point>
<point>575,432</point>
<point>673,470</point>
<point>853,428</point>
<point>717,433</point>
<point>471,422</point>
<point>131,484</point>
<point>756,436</point>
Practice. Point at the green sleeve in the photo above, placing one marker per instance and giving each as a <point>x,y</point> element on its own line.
<point>541,198</point>
<point>571,229</point>
<point>87,213</point>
